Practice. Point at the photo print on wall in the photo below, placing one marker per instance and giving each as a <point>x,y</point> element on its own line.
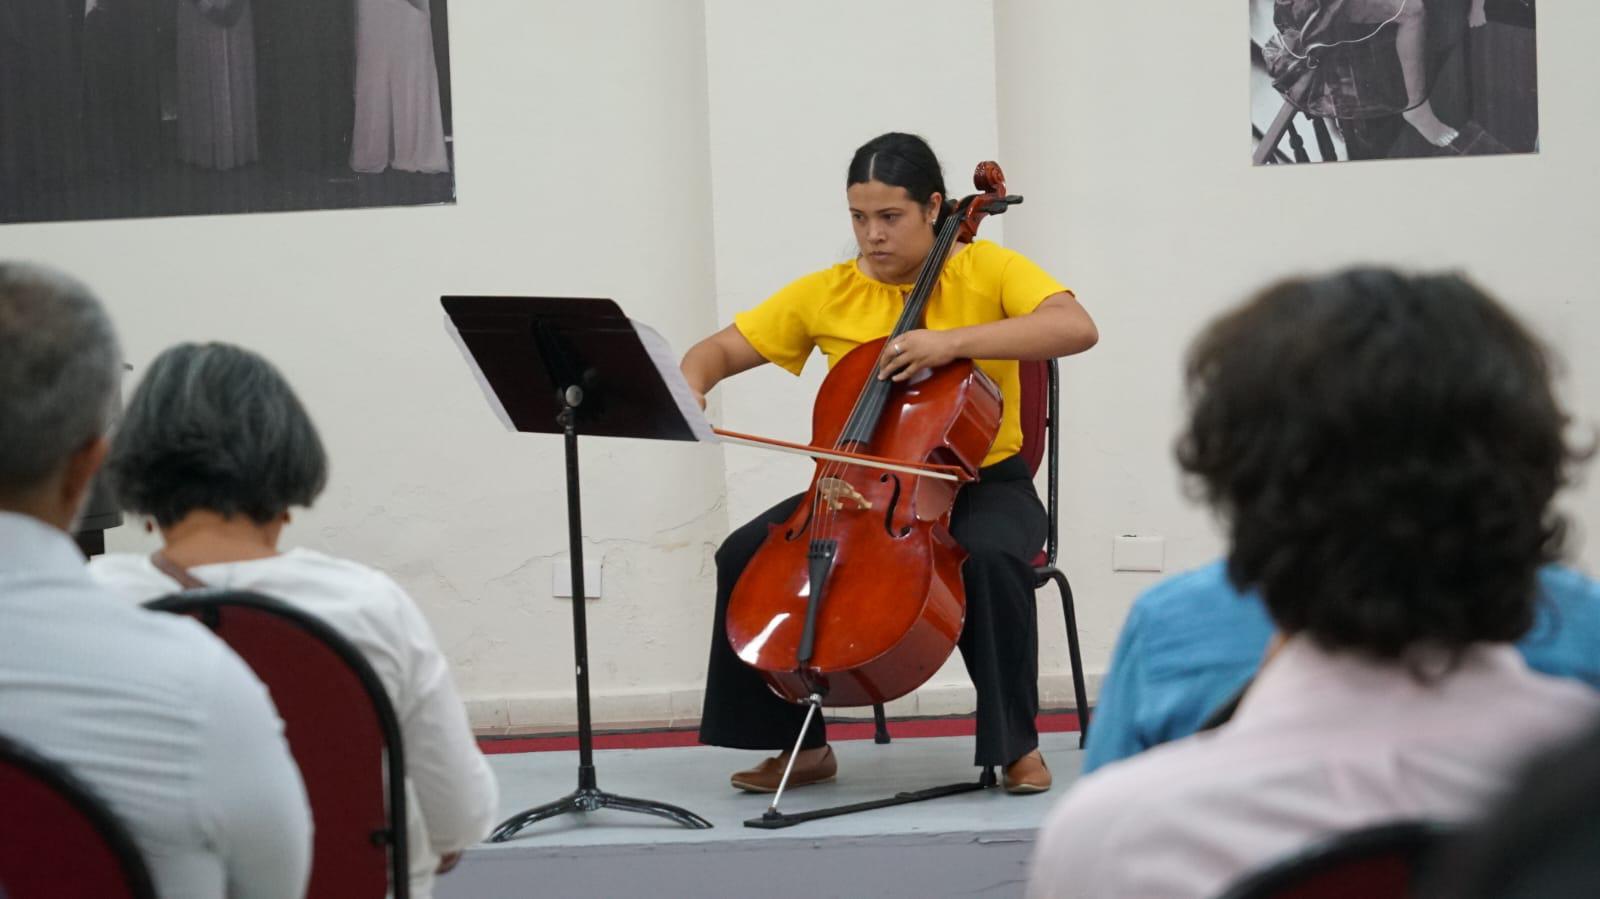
<point>139,108</point>
<point>1337,80</point>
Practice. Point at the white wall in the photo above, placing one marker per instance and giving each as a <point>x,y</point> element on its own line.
<point>686,158</point>
<point>1127,132</point>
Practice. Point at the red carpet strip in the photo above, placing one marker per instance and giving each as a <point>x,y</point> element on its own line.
<point>904,728</point>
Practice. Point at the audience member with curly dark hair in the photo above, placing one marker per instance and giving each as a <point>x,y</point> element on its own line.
<point>1385,450</point>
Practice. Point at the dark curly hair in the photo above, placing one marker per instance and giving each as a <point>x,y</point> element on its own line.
<point>215,427</point>
<point>1385,449</point>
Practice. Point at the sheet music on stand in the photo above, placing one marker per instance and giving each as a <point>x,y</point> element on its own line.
<point>667,365</point>
<point>664,361</point>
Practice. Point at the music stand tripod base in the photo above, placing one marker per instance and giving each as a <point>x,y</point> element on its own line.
<point>590,799</point>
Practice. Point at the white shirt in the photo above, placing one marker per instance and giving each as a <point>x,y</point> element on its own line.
<point>452,794</point>
<point>160,719</point>
<point>1321,743</point>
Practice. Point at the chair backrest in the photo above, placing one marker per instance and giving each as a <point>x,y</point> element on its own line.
<point>341,728</point>
<point>1378,862</point>
<point>1036,411</point>
<point>1039,407</point>
<point>57,839</point>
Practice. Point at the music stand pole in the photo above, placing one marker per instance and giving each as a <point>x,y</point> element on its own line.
<point>573,397</point>
<point>588,796</point>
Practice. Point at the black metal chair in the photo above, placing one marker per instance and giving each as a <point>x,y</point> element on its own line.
<point>341,728</point>
<point>1380,862</point>
<point>1041,403</point>
<point>58,840</point>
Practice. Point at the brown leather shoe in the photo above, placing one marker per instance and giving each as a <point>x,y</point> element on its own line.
<point>764,777</point>
<point>1028,774</point>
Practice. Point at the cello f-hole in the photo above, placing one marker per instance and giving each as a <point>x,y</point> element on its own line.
<point>794,533</point>
<point>891,506</point>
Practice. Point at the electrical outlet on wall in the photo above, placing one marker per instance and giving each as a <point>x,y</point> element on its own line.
<point>1132,552</point>
<point>561,578</point>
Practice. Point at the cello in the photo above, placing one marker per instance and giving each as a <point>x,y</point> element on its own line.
<point>857,598</point>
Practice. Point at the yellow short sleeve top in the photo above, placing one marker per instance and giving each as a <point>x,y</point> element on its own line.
<point>840,308</point>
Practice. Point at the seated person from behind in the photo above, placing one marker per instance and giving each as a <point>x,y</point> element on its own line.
<point>1193,641</point>
<point>152,711</point>
<point>1385,450</point>
<point>215,447</point>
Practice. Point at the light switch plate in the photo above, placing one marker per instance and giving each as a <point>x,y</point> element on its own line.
<point>561,578</point>
<point>1132,552</point>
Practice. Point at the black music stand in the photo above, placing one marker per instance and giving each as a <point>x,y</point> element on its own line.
<point>554,365</point>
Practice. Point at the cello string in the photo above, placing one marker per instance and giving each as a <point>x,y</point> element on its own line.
<point>912,310</point>
<point>910,313</point>
<point>835,469</point>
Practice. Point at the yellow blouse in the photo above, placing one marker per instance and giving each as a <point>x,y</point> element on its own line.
<point>840,308</point>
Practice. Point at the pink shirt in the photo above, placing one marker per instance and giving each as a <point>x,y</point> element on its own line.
<point>1321,743</point>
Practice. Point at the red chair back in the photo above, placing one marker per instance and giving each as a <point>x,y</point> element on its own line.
<point>1038,419</point>
<point>57,839</point>
<point>341,729</point>
<point>1373,863</point>
<point>1035,377</point>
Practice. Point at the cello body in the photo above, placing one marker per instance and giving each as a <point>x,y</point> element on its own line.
<point>893,605</point>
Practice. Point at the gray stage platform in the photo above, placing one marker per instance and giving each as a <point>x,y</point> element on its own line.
<point>975,844</point>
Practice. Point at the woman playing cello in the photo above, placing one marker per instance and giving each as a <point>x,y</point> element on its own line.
<point>992,305</point>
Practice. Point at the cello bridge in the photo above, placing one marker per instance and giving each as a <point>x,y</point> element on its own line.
<point>837,491</point>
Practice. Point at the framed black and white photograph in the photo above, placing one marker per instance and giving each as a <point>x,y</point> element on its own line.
<point>138,108</point>
<point>1337,80</point>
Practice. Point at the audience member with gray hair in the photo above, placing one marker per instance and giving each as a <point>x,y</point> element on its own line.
<point>59,361</point>
<point>152,711</point>
<point>216,449</point>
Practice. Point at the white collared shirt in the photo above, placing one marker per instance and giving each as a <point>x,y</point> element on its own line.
<point>452,793</point>
<point>161,720</point>
<point>1323,742</point>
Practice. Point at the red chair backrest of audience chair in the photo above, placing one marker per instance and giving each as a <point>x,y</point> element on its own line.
<point>1373,863</point>
<point>341,728</point>
<point>57,839</point>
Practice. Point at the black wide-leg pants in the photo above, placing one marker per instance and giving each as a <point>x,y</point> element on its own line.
<point>1001,523</point>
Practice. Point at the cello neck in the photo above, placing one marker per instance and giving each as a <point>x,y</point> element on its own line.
<point>960,224</point>
<point>928,278</point>
<point>876,394</point>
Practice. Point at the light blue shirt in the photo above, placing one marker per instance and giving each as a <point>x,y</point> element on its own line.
<point>1192,641</point>
<point>158,716</point>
